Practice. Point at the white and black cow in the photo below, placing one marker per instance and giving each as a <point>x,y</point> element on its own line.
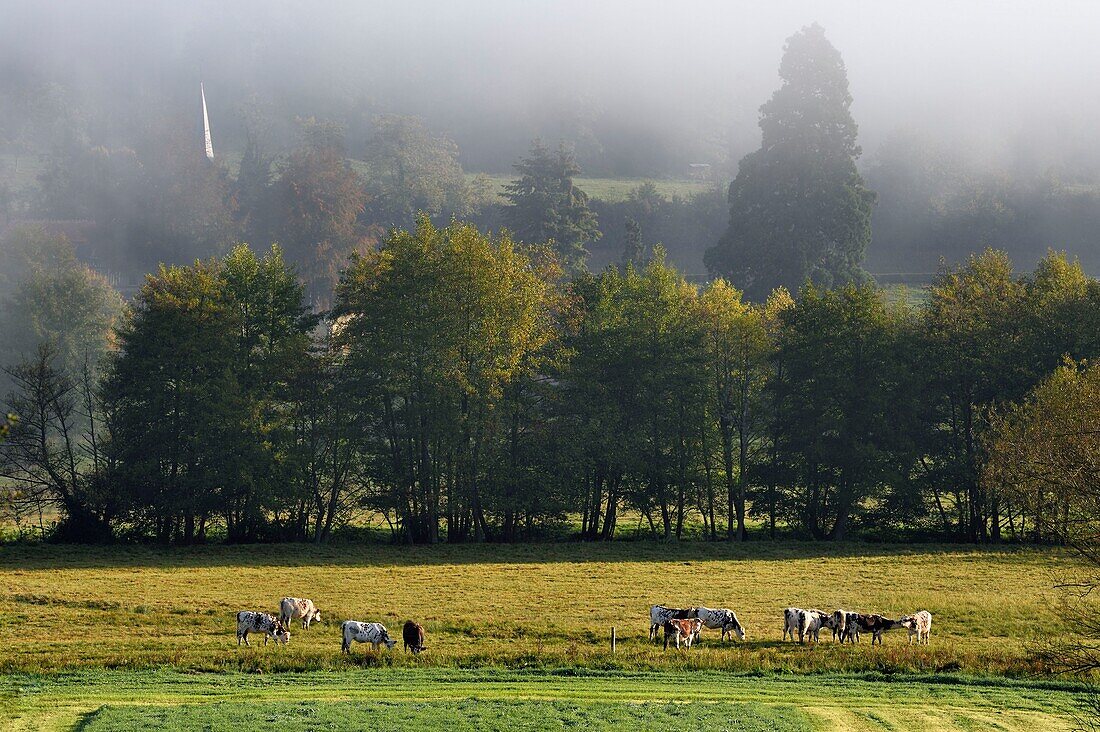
<point>810,623</point>
<point>659,615</point>
<point>876,625</point>
<point>297,607</point>
<point>920,625</point>
<point>851,627</point>
<point>373,633</point>
<point>721,619</point>
<point>840,624</point>
<point>791,622</point>
<point>255,622</point>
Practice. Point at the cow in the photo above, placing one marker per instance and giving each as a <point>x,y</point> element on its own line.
<point>685,630</point>
<point>413,635</point>
<point>920,625</point>
<point>659,615</point>
<point>810,623</point>
<point>791,622</point>
<point>373,633</point>
<point>295,607</point>
<point>840,624</point>
<point>255,622</point>
<point>851,628</point>
<point>876,625</point>
<point>723,619</point>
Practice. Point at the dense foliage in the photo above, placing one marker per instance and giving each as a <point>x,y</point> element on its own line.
<point>798,208</point>
<point>460,389</point>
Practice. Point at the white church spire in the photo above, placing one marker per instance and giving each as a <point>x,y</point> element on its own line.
<point>206,125</point>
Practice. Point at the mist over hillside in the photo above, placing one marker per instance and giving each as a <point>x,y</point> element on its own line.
<point>967,112</point>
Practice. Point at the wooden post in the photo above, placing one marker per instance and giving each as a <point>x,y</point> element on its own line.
<point>612,638</point>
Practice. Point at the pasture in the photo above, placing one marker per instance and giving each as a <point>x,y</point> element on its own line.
<point>520,606</point>
<point>611,189</point>
<point>136,637</point>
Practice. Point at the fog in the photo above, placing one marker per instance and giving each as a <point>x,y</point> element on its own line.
<point>641,88</point>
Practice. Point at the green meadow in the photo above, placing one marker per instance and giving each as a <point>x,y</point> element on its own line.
<point>519,637</point>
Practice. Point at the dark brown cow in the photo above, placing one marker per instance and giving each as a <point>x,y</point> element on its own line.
<point>413,635</point>
<point>876,625</point>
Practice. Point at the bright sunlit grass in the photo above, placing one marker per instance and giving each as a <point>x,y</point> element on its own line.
<point>518,606</point>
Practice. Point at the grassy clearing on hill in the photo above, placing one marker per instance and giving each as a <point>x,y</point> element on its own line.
<point>611,189</point>
<point>520,606</point>
<point>454,699</point>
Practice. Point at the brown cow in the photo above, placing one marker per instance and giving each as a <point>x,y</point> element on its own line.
<point>413,635</point>
<point>682,630</point>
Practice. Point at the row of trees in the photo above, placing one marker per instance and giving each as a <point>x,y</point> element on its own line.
<point>462,389</point>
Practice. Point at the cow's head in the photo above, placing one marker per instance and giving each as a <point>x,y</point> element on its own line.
<point>280,632</point>
<point>390,642</point>
<point>730,623</point>
<point>315,617</point>
<point>908,621</point>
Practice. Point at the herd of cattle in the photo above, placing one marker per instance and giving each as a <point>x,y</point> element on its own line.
<point>295,608</point>
<point>682,626</point>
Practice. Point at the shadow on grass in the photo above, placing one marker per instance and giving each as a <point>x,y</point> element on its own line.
<point>60,556</point>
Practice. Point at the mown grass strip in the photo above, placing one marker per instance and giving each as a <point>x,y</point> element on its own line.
<point>61,700</point>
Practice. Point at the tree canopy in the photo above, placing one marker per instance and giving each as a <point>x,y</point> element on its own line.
<point>799,210</point>
<point>547,206</point>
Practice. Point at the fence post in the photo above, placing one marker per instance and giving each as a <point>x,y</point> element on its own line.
<point>612,638</point>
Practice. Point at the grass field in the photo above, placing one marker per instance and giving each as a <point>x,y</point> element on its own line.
<point>613,189</point>
<point>140,638</point>
<point>493,699</point>
<point>519,606</point>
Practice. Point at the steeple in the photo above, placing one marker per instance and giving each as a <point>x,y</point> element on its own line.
<point>206,125</point>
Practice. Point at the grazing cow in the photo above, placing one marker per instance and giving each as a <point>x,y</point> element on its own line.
<point>253,622</point>
<point>373,633</point>
<point>810,623</point>
<point>876,625</point>
<point>682,630</point>
<point>920,625</point>
<point>413,635</point>
<point>659,615</point>
<point>791,622</point>
<point>295,607</point>
<point>722,619</point>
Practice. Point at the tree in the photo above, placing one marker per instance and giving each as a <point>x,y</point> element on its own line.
<point>633,248</point>
<point>57,300</point>
<point>438,326</point>
<point>834,392</point>
<point>319,198</point>
<point>179,422</point>
<point>546,206</point>
<point>637,379</point>
<point>54,451</point>
<point>253,191</point>
<point>971,328</point>
<point>798,208</point>
<point>738,349</point>
<point>1044,454</point>
<point>412,170</point>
